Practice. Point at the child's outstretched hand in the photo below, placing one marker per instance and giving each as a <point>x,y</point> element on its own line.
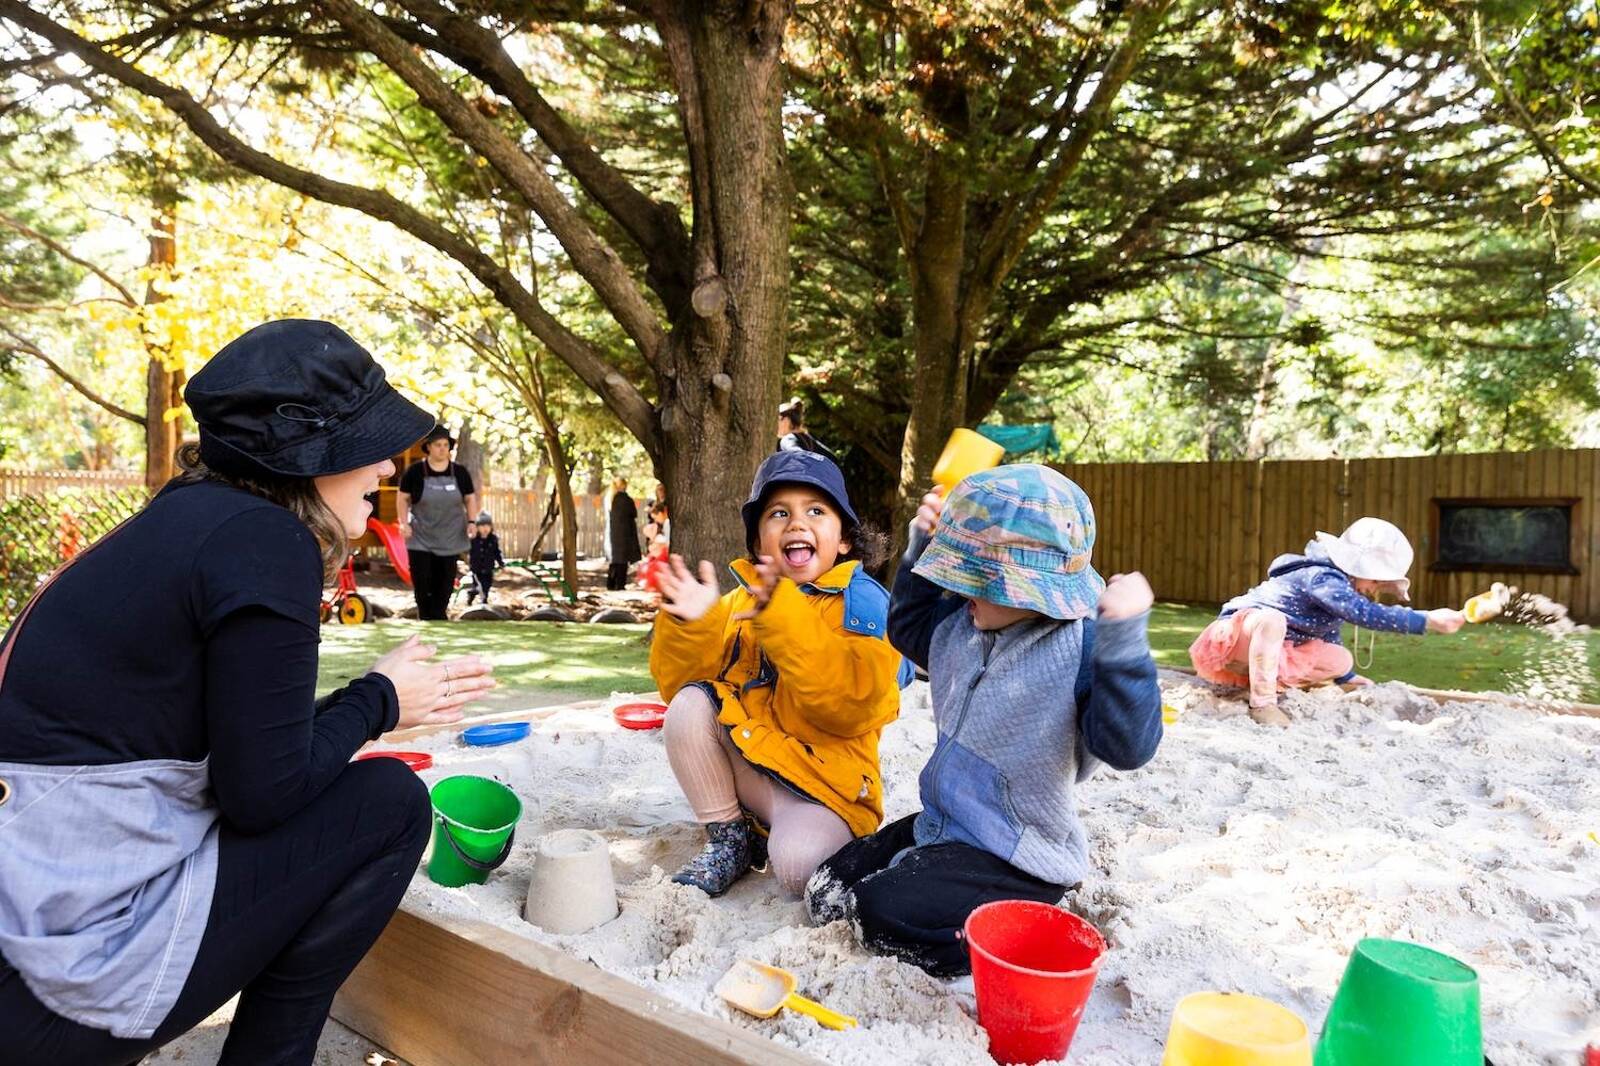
<point>928,512</point>
<point>767,575</point>
<point>1126,595</point>
<point>1445,620</point>
<point>683,595</point>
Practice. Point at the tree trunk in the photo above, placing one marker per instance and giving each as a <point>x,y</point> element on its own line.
<point>942,356</point>
<point>556,455</point>
<point>720,372</point>
<point>163,388</point>
<point>1256,443</point>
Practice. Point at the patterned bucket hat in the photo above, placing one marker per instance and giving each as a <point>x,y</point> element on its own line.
<point>1018,535</point>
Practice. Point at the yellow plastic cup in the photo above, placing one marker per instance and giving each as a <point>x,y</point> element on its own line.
<point>965,454</point>
<point>1233,1029</point>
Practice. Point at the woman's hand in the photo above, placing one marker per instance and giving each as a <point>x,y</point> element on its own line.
<point>430,692</point>
<point>682,595</point>
<point>1126,595</point>
<point>767,576</point>
<point>928,512</point>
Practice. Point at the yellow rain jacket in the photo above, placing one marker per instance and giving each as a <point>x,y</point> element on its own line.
<point>805,686</point>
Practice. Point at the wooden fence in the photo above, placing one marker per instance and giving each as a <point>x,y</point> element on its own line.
<point>1204,532</point>
<point>518,514</point>
<point>32,482</point>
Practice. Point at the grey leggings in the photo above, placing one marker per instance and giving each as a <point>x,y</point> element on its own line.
<point>718,780</point>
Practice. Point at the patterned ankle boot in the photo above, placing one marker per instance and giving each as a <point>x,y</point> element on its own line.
<point>724,859</point>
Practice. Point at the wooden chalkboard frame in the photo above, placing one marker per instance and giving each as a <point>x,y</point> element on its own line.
<point>1574,525</point>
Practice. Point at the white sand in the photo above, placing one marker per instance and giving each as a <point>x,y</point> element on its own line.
<point>1240,859</point>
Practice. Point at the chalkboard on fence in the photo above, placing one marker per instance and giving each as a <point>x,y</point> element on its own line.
<point>1528,535</point>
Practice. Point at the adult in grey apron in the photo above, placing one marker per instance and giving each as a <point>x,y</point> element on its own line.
<point>437,502</point>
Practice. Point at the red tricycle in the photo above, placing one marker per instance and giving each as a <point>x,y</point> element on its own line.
<point>347,604</point>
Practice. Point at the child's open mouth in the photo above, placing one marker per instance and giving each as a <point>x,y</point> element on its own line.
<point>798,553</point>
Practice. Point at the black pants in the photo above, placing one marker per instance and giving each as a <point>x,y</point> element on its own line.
<point>914,910</point>
<point>433,579</point>
<point>617,576</point>
<point>295,908</point>
<point>484,582</point>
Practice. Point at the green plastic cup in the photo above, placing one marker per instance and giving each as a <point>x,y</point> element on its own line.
<point>474,825</point>
<point>1402,1004</point>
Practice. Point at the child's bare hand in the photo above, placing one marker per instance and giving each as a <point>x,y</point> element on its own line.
<point>928,512</point>
<point>1445,620</point>
<point>683,595</point>
<point>767,576</point>
<point>1126,595</point>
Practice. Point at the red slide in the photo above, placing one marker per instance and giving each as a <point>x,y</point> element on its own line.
<point>389,537</point>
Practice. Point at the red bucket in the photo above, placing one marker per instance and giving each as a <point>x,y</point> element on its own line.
<point>417,760</point>
<point>1033,966</point>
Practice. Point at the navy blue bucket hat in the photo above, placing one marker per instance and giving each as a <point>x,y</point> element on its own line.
<point>796,468</point>
<point>298,398</point>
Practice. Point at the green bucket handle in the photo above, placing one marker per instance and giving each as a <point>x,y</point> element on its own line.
<point>468,860</point>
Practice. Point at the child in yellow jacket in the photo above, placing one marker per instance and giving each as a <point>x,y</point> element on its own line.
<point>778,690</point>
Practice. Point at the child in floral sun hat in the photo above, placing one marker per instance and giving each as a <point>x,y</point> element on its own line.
<point>1041,671</point>
<point>1284,632</point>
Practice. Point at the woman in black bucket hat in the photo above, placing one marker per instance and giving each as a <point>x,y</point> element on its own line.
<point>179,818</point>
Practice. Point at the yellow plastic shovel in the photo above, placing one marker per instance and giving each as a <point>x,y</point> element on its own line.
<point>762,990</point>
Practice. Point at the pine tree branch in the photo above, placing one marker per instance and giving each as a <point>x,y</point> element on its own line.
<point>21,345</point>
<point>592,368</point>
<point>62,250</point>
<point>596,261</point>
<point>654,227</point>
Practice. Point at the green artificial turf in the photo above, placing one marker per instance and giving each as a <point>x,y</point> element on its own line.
<point>536,663</point>
<point>1480,658</point>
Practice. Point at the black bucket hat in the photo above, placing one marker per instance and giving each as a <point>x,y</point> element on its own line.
<point>298,398</point>
<point>438,433</point>
<point>796,468</point>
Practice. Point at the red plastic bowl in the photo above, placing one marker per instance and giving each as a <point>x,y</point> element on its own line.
<point>640,715</point>
<point>417,760</point>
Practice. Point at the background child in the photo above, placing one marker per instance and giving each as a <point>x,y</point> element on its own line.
<point>483,556</point>
<point>1284,633</point>
<point>1030,694</point>
<point>779,689</point>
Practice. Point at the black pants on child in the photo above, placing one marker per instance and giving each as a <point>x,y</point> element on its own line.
<point>433,579</point>
<point>915,908</point>
<point>483,582</point>
<point>295,908</point>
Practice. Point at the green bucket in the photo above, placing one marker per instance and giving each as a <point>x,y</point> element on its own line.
<point>1402,1004</point>
<point>474,824</point>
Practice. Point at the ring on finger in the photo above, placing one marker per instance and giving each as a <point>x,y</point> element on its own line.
<point>449,689</point>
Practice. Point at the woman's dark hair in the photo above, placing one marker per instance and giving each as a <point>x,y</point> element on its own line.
<point>298,495</point>
<point>794,411</point>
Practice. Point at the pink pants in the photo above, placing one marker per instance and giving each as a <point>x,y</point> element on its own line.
<point>718,780</point>
<point>1247,649</point>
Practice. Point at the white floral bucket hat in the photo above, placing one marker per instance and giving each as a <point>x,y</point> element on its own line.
<point>1373,549</point>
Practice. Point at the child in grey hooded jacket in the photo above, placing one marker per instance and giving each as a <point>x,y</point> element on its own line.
<point>1031,693</point>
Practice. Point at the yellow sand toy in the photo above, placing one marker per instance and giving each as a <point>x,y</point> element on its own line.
<point>762,990</point>
<point>1487,605</point>
<point>965,454</point>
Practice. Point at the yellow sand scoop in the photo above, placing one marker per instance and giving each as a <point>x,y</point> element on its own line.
<point>762,990</point>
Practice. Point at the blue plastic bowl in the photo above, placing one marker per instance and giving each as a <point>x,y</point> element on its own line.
<point>488,736</point>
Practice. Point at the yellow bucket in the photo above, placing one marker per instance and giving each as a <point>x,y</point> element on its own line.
<point>1232,1029</point>
<point>965,454</point>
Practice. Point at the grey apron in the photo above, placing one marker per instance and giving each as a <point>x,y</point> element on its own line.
<point>439,519</point>
<point>106,877</point>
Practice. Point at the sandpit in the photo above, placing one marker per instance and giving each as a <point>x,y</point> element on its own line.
<point>1241,859</point>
